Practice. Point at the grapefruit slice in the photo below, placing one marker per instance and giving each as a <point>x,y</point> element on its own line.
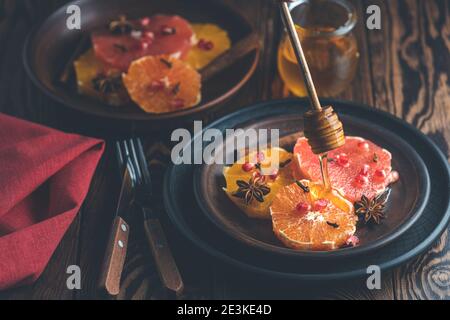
<point>162,84</point>
<point>173,35</point>
<point>248,171</point>
<point>160,34</point>
<point>305,217</point>
<point>211,41</point>
<point>359,167</point>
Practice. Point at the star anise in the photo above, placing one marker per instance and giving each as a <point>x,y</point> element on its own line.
<point>302,186</point>
<point>167,63</point>
<point>373,209</point>
<point>176,89</point>
<point>120,26</point>
<point>107,84</point>
<point>255,188</point>
<point>375,157</point>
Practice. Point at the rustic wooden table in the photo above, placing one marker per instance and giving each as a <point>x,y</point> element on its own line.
<point>404,69</point>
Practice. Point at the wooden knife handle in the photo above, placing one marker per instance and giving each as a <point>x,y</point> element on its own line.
<point>115,254</point>
<point>165,263</point>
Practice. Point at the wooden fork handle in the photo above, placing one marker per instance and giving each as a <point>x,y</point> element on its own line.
<point>114,259</point>
<point>165,263</point>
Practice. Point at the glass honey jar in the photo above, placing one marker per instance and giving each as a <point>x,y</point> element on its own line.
<point>325,28</point>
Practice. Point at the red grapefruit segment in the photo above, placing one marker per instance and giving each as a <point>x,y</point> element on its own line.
<point>161,34</point>
<point>358,167</point>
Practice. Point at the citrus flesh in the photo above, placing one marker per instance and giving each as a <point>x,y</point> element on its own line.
<point>359,167</point>
<point>211,41</point>
<point>87,68</point>
<point>314,219</point>
<point>162,84</point>
<point>274,180</point>
<point>164,34</point>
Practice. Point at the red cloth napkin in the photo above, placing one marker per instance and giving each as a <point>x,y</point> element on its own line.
<point>44,177</point>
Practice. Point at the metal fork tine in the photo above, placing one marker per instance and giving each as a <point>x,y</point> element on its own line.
<point>125,148</point>
<point>134,160</point>
<point>143,162</point>
<point>119,154</point>
<point>131,166</point>
<point>123,155</point>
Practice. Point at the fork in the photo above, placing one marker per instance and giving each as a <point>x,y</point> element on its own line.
<point>143,198</point>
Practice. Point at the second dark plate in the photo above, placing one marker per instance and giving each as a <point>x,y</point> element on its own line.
<point>191,222</point>
<point>406,202</point>
<point>50,45</point>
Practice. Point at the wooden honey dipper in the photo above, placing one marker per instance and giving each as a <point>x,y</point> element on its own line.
<point>322,127</point>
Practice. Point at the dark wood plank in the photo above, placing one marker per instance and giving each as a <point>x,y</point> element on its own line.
<point>96,219</point>
<point>403,69</point>
<point>360,90</point>
<point>20,98</point>
<point>410,65</point>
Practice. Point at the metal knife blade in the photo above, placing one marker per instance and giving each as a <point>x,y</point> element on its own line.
<point>125,195</point>
<point>116,248</point>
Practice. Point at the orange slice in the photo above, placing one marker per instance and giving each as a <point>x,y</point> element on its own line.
<point>309,218</point>
<point>162,84</point>
<point>211,41</point>
<point>246,169</point>
<point>87,69</point>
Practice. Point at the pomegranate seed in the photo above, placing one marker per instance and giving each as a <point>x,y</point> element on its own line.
<point>209,46</point>
<point>365,170</point>
<point>363,145</point>
<point>342,160</point>
<point>205,45</point>
<point>303,207</point>
<point>136,34</point>
<point>320,204</point>
<point>393,176</point>
<point>149,35</point>
<point>157,85</point>
<point>380,174</point>
<point>260,157</point>
<point>248,166</point>
<point>145,21</point>
<point>177,103</point>
<point>143,45</point>
<point>361,180</point>
<point>167,31</point>
<point>352,241</point>
<point>274,174</point>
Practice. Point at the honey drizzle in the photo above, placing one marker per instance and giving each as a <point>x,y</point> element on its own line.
<point>323,160</point>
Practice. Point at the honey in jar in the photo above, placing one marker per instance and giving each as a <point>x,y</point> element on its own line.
<point>325,28</point>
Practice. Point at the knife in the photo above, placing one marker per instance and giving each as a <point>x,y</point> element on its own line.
<point>117,244</point>
<point>146,198</point>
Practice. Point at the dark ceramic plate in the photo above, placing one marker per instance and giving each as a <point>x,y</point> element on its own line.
<point>406,202</point>
<point>187,216</point>
<point>49,47</point>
